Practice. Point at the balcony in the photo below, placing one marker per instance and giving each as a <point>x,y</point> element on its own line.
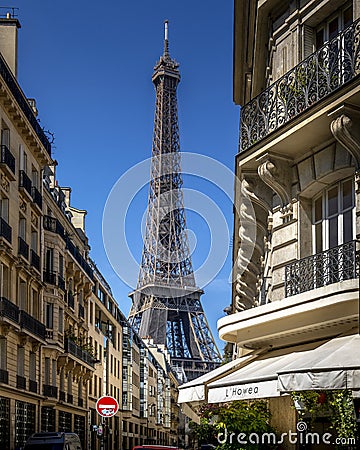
<point>53,225</point>
<point>4,376</point>
<point>9,310</point>
<point>331,67</point>
<point>35,260</point>
<point>79,353</point>
<point>25,182</point>
<point>23,103</point>
<point>23,248</point>
<point>20,382</point>
<point>79,258</point>
<point>49,277</point>
<point>5,230</point>
<point>30,324</point>
<point>7,161</point>
<point>331,266</point>
<point>49,391</point>
<point>36,197</point>
<point>33,386</point>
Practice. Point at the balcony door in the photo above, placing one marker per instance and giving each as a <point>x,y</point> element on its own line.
<point>334,232</point>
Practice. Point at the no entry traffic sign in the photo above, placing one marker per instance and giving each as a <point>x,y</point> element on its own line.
<point>107,406</point>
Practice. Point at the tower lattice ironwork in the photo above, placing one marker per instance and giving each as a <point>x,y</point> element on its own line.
<point>166,303</point>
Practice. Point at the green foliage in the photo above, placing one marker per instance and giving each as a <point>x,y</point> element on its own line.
<point>237,417</point>
<point>336,404</point>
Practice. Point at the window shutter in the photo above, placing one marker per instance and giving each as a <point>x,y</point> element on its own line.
<point>308,41</point>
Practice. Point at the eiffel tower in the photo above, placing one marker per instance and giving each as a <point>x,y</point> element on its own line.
<point>166,304</point>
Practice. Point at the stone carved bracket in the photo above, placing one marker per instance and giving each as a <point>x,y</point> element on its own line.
<point>276,173</point>
<point>341,128</point>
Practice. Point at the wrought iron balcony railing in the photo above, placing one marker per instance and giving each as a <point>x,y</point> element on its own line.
<point>5,230</point>
<point>328,267</point>
<point>23,102</point>
<point>35,260</point>
<point>9,309</point>
<point>4,376</point>
<point>25,182</point>
<point>49,277</point>
<point>80,353</point>
<point>33,386</point>
<point>7,158</point>
<point>323,72</point>
<point>53,225</point>
<point>62,396</point>
<point>20,382</point>
<point>34,326</point>
<point>49,391</point>
<point>70,398</point>
<point>36,196</point>
<point>23,248</point>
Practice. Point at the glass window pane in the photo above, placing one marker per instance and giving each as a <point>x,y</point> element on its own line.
<point>318,238</point>
<point>333,232</point>
<point>347,198</point>
<point>318,209</point>
<point>348,226</point>
<point>348,17</point>
<point>333,28</point>
<point>333,201</point>
<point>319,38</point>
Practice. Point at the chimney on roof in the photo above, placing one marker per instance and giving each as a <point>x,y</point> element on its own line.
<point>9,40</point>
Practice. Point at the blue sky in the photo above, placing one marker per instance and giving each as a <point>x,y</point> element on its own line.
<point>89,67</point>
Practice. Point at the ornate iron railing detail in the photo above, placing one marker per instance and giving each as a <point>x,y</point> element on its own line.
<point>332,66</point>
<point>25,182</point>
<point>79,353</point>
<point>34,326</point>
<point>35,260</point>
<point>9,309</point>
<point>50,391</point>
<point>7,158</point>
<point>36,196</point>
<point>328,267</point>
<point>23,248</point>
<point>5,230</point>
<point>49,277</point>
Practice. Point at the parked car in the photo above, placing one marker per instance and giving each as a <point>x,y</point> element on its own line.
<point>53,441</point>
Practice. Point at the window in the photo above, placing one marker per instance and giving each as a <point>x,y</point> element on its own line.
<point>4,208</point>
<point>20,361</point>
<point>22,295</point>
<point>53,374</point>
<point>61,320</point>
<point>61,265</point>
<point>4,281</point>
<point>49,315</point>
<point>49,260</point>
<point>334,216</point>
<point>32,366</point>
<point>331,27</point>
<point>23,159</point>
<point>22,228</point>
<point>34,241</point>
<point>5,137</point>
<point>47,372</point>
<point>69,383</point>
<point>34,177</point>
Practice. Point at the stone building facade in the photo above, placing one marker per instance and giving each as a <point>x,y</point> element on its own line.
<point>64,342</point>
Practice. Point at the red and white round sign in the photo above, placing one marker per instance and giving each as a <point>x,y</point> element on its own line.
<point>107,406</point>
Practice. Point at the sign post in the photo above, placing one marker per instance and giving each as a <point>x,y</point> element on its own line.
<point>106,406</point>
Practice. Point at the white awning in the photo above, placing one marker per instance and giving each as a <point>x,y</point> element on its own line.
<point>333,365</point>
<point>194,391</point>
<point>256,380</point>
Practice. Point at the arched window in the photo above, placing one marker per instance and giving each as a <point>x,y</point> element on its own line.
<point>334,216</point>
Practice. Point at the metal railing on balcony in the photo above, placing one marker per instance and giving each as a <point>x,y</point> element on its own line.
<point>70,398</point>
<point>33,386</point>
<point>52,224</point>
<point>9,309</point>
<point>20,382</point>
<point>7,158</point>
<point>5,230</point>
<point>35,260</point>
<point>328,267</point>
<point>62,396</point>
<point>74,251</point>
<point>23,248</point>
<point>320,74</point>
<point>25,182</point>
<point>49,277</point>
<point>36,196</point>
<point>49,391</point>
<point>23,103</point>
<point>30,324</point>
<point>79,353</point>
